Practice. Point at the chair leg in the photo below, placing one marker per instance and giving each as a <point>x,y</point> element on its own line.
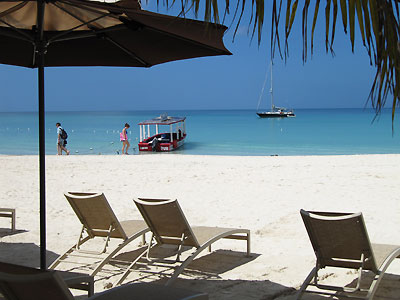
<point>378,277</point>
<point>91,288</point>
<point>248,245</point>
<point>66,254</point>
<point>13,217</point>
<point>115,251</point>
<point>87,284</point>
<point>200,249</point>
<point>126,273</point>
<point>306,283</point>
<point>187,261</point>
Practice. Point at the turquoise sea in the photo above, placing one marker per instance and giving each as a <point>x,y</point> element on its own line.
<point>212,132</point>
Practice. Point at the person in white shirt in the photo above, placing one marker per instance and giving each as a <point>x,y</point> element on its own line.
<point>60,141</point>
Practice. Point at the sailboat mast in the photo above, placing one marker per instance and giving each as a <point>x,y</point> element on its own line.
<point>271,90</point>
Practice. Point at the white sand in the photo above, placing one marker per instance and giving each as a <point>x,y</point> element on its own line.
<point>263,194</point>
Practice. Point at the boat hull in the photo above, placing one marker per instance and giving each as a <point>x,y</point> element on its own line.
<point>164,146</point>
<point>275,114</point>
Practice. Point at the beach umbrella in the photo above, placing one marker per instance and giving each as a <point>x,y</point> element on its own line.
<point>45,33</point>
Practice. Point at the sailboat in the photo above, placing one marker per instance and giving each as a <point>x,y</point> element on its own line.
<point>275,112</point>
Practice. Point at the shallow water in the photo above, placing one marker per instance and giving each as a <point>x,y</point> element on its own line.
<point>217,132</point>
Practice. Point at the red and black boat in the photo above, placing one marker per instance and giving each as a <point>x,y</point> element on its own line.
<point>169,134</point>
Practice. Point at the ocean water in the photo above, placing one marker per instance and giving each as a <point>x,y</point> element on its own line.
<point>212,132</point>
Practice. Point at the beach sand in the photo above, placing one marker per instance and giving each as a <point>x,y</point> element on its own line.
<point>263,194</point>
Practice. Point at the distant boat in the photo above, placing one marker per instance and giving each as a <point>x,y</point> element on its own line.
<point>275,112</point>
<point>164,140</point>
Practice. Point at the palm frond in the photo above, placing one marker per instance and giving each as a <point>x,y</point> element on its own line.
<point>313,24</point>
<point>343,8</point>
<point>377,21</point>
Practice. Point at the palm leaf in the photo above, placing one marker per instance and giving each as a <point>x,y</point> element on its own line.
<point>304,28</point>
<point>377,20</point>
<point>367,27</point>
<point>291,10</point>
<point>352,13</point>
<point>314,23</point>
<point>335,11</point>
<point>343,8</point>
<point>360,19</point>
<point>327,17</point>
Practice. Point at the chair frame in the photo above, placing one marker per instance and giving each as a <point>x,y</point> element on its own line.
<point>71,280</point>
<point>366,262</point>
<point>9,213</point>
<point>49,275</point>
<point>14,277</point>
<point>187,235</point>
<point>87,233</point>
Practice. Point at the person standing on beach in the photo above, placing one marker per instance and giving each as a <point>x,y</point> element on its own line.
<point>61,142</point>
<point>123,136</point>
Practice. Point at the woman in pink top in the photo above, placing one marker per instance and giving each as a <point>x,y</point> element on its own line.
<point>123,136</point>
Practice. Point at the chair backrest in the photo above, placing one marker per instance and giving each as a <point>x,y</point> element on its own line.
<point>166,220</point>
<point>339,239</point>
<point>95,214</point>
<point>24,283</point>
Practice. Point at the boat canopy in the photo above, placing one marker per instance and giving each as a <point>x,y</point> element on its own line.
<point>163,121</point>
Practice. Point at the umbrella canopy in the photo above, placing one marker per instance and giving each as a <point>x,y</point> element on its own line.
<point>89,33</point>
<point>44,33</point>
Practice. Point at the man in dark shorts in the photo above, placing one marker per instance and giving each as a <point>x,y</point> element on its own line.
<point>60,141</point>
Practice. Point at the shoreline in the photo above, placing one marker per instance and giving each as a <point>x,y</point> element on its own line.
<point>199,155</point>
<point>260,193</point>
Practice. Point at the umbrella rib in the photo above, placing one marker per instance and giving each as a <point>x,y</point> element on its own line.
<point>189,40</point>
<point>24,36</point>
<point>85,7</point>
<point>83,34</point>
<point>98,5</point>
<point>134,11</point>
<point>55,38</point>
<point>101,13</point>
<point>130,53</point>
<point>12,9</point>
<point>186,39</point>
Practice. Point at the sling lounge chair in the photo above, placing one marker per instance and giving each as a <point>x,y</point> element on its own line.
<point>99,221</point>
<point>9,213</point>
<point>169,226</point>
<point>71,279</point>
<point>341,240</point>
<point>33,284</point>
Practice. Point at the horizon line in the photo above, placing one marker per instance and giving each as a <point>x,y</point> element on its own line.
<point>188,109</point>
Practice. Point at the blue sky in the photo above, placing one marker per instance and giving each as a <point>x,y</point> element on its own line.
<point>223,82</point>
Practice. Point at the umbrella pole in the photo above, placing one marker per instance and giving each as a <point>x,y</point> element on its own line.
<point>42,171</point>
<point>42,132</point>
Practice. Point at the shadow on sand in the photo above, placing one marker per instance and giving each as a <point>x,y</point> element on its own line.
<point>203,274</point>
<point>8,232</point>
<point>207,266</point>
<point>267,290</point>
<point>26,254</point>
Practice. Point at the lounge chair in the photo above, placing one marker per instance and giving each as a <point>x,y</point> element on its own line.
<point>98,220</point>
<point>9,213</point>
<point>71,279</point>
<point>341,240</point>
<point>32,284</point>
<point>169,226</point>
